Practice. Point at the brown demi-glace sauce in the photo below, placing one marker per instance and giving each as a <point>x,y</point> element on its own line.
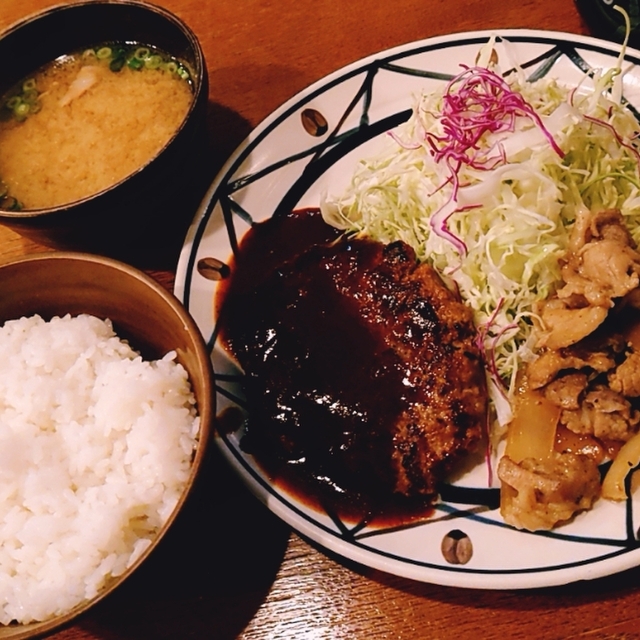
<point>262,249</point>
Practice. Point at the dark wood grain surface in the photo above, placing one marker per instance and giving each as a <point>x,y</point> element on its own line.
<point>229,569</point>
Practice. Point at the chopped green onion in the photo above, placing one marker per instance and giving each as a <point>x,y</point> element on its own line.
<point>30,96</point>
<point>25,98</point>
<point>135,63</point>
<point>142,53</point>
<point>153,62</point>
<point>117,63</point>
<point>13,102</point>
<point>21,110</point>
<point>138,58</point>
<point>9,203</point>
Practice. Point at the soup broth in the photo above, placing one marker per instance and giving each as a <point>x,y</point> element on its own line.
<point>86,121</point>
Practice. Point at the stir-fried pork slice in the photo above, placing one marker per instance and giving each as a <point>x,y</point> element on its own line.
<point>625,379</point>
<point>603,263</point>
<point>566,391</point>
<point>591,225</point>
<point>596,355</point>
<point>565,326</point>
<point>540,494</point>
<point>605,414</point>
<point>601,266</point>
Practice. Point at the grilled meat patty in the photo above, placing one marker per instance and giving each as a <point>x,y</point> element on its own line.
<point>360,366</point>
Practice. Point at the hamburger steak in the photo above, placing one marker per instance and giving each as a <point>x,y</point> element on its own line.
<point>361,369</point>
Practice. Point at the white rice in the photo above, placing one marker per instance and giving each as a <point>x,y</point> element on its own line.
<point>95,449</point>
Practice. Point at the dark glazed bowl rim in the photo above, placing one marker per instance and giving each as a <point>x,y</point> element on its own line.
<point>62,15</point>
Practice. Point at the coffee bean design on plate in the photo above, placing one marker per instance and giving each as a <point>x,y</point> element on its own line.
<point>314,123</point>
<point>213,269</point>
<point>456,547</point>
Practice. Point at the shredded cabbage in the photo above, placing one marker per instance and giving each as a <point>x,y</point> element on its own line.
<point>487,187</point>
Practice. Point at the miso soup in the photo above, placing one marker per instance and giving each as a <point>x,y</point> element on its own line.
<point>86,121</point>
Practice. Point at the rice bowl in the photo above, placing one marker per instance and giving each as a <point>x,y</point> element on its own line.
<point>88,472</point>
<point>100,445</point>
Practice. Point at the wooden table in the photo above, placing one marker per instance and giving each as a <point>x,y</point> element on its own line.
<point>229,569</point>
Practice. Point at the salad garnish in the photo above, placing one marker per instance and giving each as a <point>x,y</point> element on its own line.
<point>485,181</point>
<point>476,103</point>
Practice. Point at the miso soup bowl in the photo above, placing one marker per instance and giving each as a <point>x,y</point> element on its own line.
<point>143,312</point>
<point>119,214</point>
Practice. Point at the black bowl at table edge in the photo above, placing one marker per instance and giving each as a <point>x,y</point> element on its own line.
<point>608,23</point>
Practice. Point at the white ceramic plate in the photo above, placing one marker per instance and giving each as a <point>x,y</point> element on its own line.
<point>282,166</point>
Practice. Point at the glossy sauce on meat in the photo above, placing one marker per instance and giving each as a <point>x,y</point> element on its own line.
<point>331,333</point>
